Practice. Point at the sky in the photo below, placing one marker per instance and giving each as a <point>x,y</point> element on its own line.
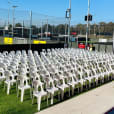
<point>102,10</point>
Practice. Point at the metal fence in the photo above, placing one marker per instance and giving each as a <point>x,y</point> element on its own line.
<point>25,26</point>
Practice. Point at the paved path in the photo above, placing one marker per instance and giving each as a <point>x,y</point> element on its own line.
<point>96,101</point>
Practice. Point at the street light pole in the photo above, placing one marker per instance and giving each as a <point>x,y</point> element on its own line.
<point>13,23</point>
<point>87,23</point>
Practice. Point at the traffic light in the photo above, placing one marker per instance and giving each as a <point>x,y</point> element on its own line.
<point>89,17</point>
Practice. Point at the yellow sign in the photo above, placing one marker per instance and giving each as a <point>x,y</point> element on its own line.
<point>39,42</point>
<point>42,42</point>
<point>8,40</point>
<point>36,42</point>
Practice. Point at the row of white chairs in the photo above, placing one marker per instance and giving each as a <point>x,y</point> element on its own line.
<point>54,71</point>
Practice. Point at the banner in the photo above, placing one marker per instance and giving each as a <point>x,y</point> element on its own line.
<point>8,40</point>
<point>39,42</point>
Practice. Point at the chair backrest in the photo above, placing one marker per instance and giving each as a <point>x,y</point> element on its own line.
<point>9,75</point>
<point>49,83</point>
<point>1,72</point>
<point>22,81</point>
<point>37,86</point>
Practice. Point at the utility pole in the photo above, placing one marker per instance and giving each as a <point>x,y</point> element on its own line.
<point>68,16</point>
<point>8,16</point>
<point>99,30</point>
<point>65,32</point>
<point>13,23</point>
<point>4,29</point>
<point>69,21</point>
<point>8,13</point>
<point>47,29</point>
<point>94,29</point>
<point>42,30</point>
<point>113,42</point>
<point>38,30</point>
<point>30,35</point>
<point>52,29</point>
<point>22,29</point>
<point>87,24</point>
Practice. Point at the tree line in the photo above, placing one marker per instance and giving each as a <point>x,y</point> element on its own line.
<point>101,28</point>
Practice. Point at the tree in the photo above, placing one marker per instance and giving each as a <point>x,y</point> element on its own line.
<point>18,25</point>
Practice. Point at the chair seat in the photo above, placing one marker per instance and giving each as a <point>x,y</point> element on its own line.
<point>15,74</point>
<point>80,81</point>
<point>10,81</point>
<point>2,77</point>
<point>41,93</point>
<point>24,87</point>
<point>96,77</point>
<point>62,87</point>
<point>89,78</point>
<point>72,83</point>
<point>52,90</point>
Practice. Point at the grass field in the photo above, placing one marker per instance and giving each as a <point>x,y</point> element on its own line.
<point>10,104</point>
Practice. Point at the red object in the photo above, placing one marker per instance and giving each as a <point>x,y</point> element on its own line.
<point>81,46</point>
<point>73,33</point>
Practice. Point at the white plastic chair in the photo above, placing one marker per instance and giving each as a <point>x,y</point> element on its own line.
<point>23,85</point>
<point>38,92</point>
<point>50,88</point>
<point>9,80</point>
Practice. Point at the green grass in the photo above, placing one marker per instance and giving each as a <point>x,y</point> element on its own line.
<point>10,104</point>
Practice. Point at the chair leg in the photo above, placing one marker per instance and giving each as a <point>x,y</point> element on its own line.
<point>18,93</point>
<point>47,99</point>
<point>72,91</point>
<point>39,102</point>
<point>89,85</point>
<point>69,91</point>
<point>59,94</point>
<point>102,80</point>
<point>8,88</point>
<point>81,88</point>
<point>30,93</point>
<point>51,99</point>
<point>62,94</point>
<point>22,95</point>
<point>96,82</point>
